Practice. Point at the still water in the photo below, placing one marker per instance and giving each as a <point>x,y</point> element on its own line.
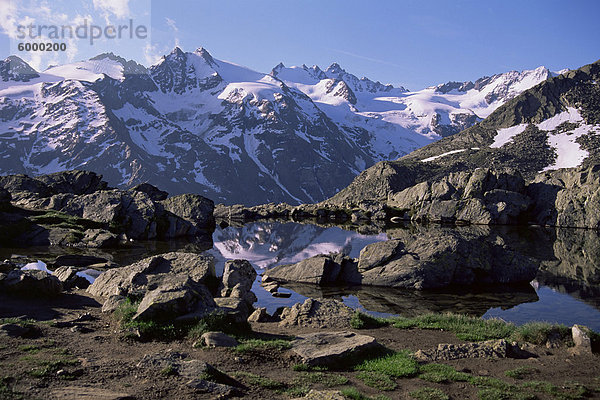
<point>566,290</point>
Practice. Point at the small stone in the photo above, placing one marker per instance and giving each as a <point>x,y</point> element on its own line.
<point>283,295</point>
<point>218,339</point>
<point>581,338</point>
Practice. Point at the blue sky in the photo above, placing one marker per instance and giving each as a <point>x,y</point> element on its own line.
<point>404,42</point>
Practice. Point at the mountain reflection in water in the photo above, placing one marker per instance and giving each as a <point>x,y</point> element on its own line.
<point>566,290</point>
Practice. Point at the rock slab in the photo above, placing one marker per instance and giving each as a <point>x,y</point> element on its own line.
<point>331,348</point>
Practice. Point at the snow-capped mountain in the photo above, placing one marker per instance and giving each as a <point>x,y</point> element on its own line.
<point>192,123</point>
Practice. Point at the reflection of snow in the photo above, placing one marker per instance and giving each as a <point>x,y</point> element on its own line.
<point>266,245</point>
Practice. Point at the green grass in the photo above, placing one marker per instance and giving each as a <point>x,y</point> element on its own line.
<point>520,372</point>
<point>153,330</point>
<point>477,329</point>
<point>306,367</point>
<point>6,392</point>
<point>567,391</point>
<point>29,348</point>
<point>540,332</point>
<point>364,321</point>
<point>396,365</point>
<point>352,393</point>
<point>62,220</point>
<point>169,370</point>
<point>428,393</point>
<point>18,321</point>
<point>257,380</point>
<point>441,373</point>
<point>377,380</point>
<point>465,327</point>
<point>248,345</point>
<point>325,379</point>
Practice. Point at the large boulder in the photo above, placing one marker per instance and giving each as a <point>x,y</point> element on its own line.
<point>75,182</point>
<point>152,191</point>
<point>323,313</point>
<point>321,269</point>
<point>196,209</point>
<point>31,283</point>
<point>70,278</point>
<point>238,278</point>
<point>22,186</point>
<point>148,273</point>
<point>333,348</point>
<point>482,196</point>
<point>435,259</point>
<point>176,295</point>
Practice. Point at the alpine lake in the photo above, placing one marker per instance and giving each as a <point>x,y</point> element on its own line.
<point>566,289</point>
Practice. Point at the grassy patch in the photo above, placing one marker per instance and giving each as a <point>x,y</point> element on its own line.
<point>520,373</point>
<point>428,393</point>
<point>477,329</point>
<point>248,345</point>
<point>540,332</point>
<point>465,327</point>
<point>353,394</point>
<point>306,367</point>
<point>29,348</point>
<point>325,379</point>
<point>496,389</point>
<point>567,391</point>
<point>169,370</point>
<point>18,321</point>
<point>377,380</point>
<point>396,365</point>
<point>257,380</point>
<point>62,220</point>
<point>6,392</point>
<point>218,321</point>
<point>440,373</point>
<point>364,321</point>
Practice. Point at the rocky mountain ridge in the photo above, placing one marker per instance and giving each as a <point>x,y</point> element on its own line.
<point>297,135</point>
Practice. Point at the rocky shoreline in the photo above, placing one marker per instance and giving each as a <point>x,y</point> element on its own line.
<point>167,327</point>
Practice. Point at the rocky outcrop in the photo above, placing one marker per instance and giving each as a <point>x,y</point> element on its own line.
<point>443,352</point>
<point>170,285</point>
<point>483,196</point>
<point>332,348</point>
<point>427,260</point>
<point>323,313</point>
<point>78,208</point>
<point>70,279</point>
<point>321,270</point>
<point>31,283</point>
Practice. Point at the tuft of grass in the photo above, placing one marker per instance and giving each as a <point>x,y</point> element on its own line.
<point>169,370</point>
<point>440,373</point>
<point>396,365</point>
<point>364,321</point>
<point>353,394</point>
<point>257,380</point>
<point>567,391</point>
<point>306,367</point>
<point>325,379</point>
<point>18,321</point>
<point>465,327</point>
<point>6,392</point>
<point>218,321</point>
<point>249,345</point>
<point>377,380</point>
<point>428,393</point>
<point>520,372</point>
<point>29,348</point>
<point>496,389</point>
<point>540,332</point>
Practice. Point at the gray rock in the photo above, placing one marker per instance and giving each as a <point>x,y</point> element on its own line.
<point>332,348</point>
<point>99,238</point>
<point>177,295</point>
<point>201,375</point>
<point>77,260</point>
<point>69,278</point>
<point>32,283</point>
<point>140,276</point>
<point>239,274</point>
<point>581,338</point>
<point>321,269</point>
<point>217,339</point>
<point>435,259</point>
<point>235,308</point>
<point>112,303</point>
<point>152,191</point>
<point>487,349</point>
<point>74,182</point>
<point>260,315</point>
<point>193,208</point>
<point>323,313</point>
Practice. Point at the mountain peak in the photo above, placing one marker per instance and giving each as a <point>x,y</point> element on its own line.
<point>202,52</point>
<point>335,68</point>
<point>15,68</point>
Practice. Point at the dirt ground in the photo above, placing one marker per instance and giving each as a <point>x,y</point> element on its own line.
<point>98,358</point>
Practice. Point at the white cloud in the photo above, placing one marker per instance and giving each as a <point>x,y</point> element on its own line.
<point>173,26</point>
<point>8,18</point>
<point>152,53</point>
<point>118,8</point>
